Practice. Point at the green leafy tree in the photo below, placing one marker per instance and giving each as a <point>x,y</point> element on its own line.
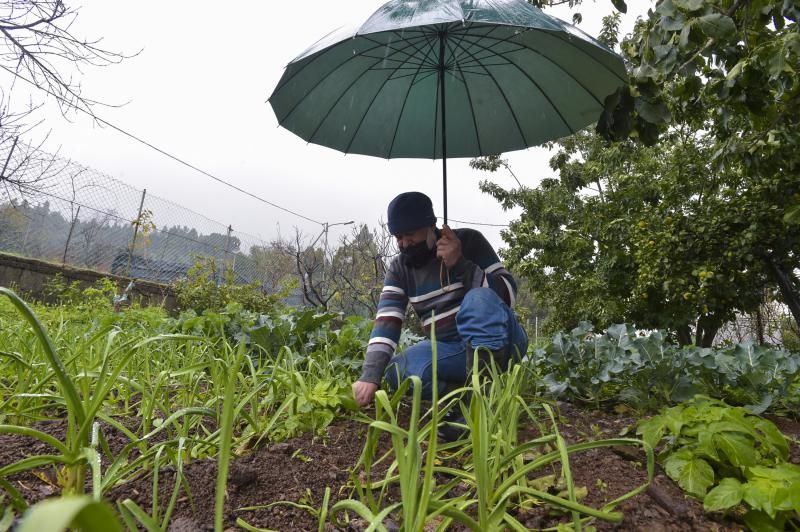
<point>680,236</point>
<point>619,5</point>
<point>728,69</point>
<point>631,233</point>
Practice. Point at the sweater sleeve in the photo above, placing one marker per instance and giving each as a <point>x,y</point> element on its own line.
<point>389,320</point>
<point>481,267</point>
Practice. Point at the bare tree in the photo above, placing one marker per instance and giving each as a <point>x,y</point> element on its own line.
<point>16,157</point>
<point>347,278</point>
<point>358,267</point>
<point>309,264</point>
<point>25,170</point>
<point>38,46</point>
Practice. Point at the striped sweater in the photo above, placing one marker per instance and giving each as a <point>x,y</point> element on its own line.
<point>430,294</point>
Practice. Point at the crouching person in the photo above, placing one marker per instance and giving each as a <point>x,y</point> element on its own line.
<point>454,281</point>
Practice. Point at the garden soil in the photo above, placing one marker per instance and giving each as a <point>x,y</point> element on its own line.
<point>299,470</point>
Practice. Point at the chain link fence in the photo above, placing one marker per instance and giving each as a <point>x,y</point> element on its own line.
<point>56,210</point>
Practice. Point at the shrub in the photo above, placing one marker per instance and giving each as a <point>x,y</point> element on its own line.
<point>200,291</point>
<point>97,296</point>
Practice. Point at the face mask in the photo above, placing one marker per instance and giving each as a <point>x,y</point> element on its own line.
<point>418,254</point>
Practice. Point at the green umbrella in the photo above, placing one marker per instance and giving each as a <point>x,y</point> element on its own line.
<point>447,78</point>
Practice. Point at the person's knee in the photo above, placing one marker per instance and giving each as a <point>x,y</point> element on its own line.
<point>481,298</point>
<point>481,308</point>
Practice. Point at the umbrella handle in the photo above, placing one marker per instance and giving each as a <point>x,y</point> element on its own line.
<point>444,272</point>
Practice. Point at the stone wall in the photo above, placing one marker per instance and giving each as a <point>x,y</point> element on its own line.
<point>30,276</point>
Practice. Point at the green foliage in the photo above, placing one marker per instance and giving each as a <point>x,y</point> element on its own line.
<point>682,235</point>
<point>741,56</point>
<point>227,420</point>
<point>489,466</point>
<point>97,367</point>
<point>96,297</point>
<point>311,369</point>
<point>790,336</point>
<point>348,343</point>
<point>725,438</point>
<point>293,328</point>
<point>197,399</point>
<point>310,405</point>
<point>201,291</point>
<point>78,453</point>
<point>726,456</point>
<point>78,512</point>
<point>308,359</point>
<point>77,437</point>
<point>727,71</point>
<point>646,371</point>
<point>770,492</point>
<point>93,307</point>
<point>232,322</point>
<point>303,331</point>
<point>653,236</point>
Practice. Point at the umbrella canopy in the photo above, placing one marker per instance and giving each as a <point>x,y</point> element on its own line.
<point>447,78</point>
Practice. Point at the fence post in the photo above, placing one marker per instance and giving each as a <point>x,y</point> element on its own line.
<point>227,252</point>
<point>69,236</point>
<point>136,224</point>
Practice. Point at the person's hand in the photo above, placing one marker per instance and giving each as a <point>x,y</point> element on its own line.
<point>448,247</point>
<point>364,392</point>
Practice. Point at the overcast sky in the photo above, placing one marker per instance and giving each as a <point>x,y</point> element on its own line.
<point>198,90</point>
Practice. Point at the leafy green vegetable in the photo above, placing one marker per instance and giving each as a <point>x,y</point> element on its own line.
<point>726,495</point>
<point>648,371</point>
<point>693,474</point>
<point>705,441</point>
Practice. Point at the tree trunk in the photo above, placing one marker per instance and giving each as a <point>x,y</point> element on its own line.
<point>684,335</point>
<point>788,287</point>
<point>759,326</point>
<point>706,332</point>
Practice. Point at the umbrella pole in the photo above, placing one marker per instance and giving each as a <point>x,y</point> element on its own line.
<point>442,36</point>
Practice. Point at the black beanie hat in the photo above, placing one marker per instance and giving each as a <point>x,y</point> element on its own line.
<point>410,211</point>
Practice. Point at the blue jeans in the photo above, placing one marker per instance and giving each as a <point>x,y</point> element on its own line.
<point>484,320</point>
